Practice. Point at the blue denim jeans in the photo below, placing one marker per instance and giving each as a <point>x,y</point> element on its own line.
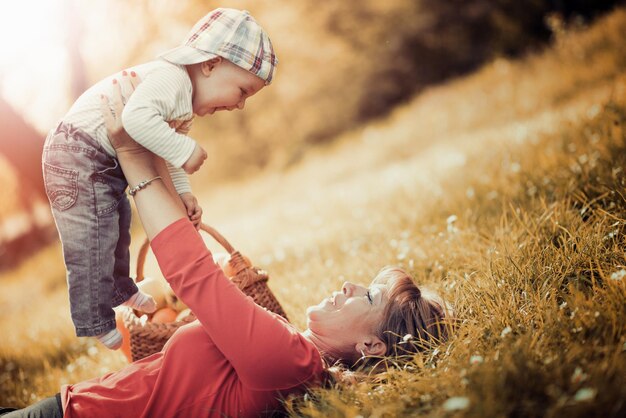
<point>86,188</point>
<point>47,408</point>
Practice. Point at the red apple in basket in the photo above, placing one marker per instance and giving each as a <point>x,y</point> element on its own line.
<point>164,316</point>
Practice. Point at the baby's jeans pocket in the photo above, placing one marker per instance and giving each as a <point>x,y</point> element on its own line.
<point>61,186</point>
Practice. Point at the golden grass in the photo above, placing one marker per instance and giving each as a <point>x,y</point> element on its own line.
<point>504,191</point>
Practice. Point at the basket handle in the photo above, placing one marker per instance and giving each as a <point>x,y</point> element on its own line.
<point>143,251</point>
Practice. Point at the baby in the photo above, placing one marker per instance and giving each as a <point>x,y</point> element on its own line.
<point>226,58</point>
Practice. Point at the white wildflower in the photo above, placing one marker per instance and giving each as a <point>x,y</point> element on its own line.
<point>407,337</point>
<point>585,394</point>
<point>506,331</point>
<point>476,359</point>
<point>452,229</point>
<point>618,275</point>
<point>578,375</point>
<point>456,403</point>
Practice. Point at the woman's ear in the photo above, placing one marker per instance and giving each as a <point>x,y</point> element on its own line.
<point>371,346</point>
<point>207,66</point>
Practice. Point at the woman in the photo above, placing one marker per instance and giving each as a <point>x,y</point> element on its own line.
<point>237,359</point>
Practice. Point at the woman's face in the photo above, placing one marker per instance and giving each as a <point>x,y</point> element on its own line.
<point>350,315</point>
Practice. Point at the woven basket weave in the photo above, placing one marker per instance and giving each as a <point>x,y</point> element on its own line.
<point>148,338</point>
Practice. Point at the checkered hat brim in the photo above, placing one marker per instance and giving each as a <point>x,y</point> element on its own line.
<point>231,34</point>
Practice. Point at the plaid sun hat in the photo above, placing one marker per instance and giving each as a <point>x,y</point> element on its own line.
<point>231,34</point>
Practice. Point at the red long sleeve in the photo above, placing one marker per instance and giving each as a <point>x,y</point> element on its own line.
<point>236,360</point>
<point>253,339</point>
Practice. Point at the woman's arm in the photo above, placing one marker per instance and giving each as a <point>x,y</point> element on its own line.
<point>265,352</point>
<point>158,207</point>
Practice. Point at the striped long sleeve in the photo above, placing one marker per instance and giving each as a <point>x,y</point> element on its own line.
<point>162,97</point>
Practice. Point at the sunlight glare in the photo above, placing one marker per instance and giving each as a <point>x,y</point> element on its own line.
<point>26,26</point>
<point>33,57</point>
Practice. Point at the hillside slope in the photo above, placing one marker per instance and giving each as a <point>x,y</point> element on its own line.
<point>504,191</point>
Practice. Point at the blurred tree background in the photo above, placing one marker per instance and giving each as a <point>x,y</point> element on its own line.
<point>344,62</point>
<point>341,63</point>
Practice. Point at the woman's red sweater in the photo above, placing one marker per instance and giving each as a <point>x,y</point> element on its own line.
<point>236,360</point>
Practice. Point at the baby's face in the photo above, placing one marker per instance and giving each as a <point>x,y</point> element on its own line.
<point>223,85</point>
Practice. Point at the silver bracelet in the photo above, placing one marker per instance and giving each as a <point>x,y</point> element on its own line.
<point>142,185</point>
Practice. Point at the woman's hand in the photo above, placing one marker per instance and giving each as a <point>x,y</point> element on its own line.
<point>194,211</point>
<point>112,111</point>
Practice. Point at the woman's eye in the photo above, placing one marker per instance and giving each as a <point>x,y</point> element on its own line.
<point>369,296</point>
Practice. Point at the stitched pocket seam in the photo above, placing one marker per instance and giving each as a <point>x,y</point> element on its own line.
<point>55,195</point>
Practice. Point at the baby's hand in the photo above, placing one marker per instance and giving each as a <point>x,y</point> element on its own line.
<point>194,211</point>
<point>196,160</point>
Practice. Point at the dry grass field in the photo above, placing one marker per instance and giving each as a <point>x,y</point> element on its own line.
<point>505,191</point>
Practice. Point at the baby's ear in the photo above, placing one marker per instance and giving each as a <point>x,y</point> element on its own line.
<point>209,65</point>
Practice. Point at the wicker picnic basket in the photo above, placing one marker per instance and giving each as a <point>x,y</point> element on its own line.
<point>147,338</point>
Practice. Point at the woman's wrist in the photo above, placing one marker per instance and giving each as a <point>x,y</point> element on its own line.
<point>137,166</point>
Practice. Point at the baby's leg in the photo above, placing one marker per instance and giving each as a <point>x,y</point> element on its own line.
<point>124,286</point>
<point>84,205</point>
<point>126,291</point>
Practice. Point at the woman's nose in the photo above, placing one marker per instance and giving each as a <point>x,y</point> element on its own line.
<point>348,289</point>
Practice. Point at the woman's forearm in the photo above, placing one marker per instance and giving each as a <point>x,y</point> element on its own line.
<point>158,204</point>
